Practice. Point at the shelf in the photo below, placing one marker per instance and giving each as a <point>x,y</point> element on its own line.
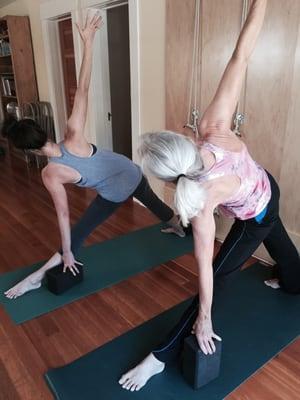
<point>4,37</point>
<point>8,55</point>
<point>9,97</point>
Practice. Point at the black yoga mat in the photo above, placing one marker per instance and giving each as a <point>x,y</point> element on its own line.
<point>254,321</point>
<point>105,264</point>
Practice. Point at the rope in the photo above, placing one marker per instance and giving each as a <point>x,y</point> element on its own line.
<point>240,116</point>
<point>193,113</point>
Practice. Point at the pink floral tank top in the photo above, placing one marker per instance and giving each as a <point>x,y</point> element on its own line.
<point>254,192</point>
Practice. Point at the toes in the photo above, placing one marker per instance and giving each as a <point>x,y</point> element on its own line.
<point>128,385</point>
<point>133,388</point>
<point>125,383</point>
<point>123,379</point>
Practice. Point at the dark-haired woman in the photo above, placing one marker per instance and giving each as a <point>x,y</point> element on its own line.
<point>114,177</point>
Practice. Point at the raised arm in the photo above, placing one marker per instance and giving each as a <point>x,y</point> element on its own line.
<point>218,116</point>
<point>76,122</point>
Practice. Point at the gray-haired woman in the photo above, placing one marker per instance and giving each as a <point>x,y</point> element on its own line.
<point>218,172</point>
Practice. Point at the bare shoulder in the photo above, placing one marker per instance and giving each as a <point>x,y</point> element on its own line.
<point>54,174</point>
<point>51,170</point>
<point>227,141</point>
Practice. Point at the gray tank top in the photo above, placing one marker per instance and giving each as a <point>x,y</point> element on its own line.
<point>112,175</point>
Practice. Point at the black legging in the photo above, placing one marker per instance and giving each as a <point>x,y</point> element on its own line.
<point>100,209</point>
<point>241,242</point>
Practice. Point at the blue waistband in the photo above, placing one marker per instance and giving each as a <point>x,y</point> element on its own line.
<point>261,215</point>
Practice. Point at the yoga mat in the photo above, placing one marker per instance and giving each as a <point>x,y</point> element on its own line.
<point>254,321</point>
<point>105,263</point>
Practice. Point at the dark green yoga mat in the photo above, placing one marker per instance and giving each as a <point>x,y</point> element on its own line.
<point>255,323</point>
<point>105,263</point>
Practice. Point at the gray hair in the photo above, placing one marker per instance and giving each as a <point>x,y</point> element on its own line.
<point>173,157</point>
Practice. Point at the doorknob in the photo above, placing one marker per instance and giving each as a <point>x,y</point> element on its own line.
<point>109,116</point>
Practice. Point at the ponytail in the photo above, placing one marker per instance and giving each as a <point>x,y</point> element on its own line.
<point>175,158</point>
<point>189,199</point>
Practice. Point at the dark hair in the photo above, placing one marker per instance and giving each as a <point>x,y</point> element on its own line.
<point>25,134</point>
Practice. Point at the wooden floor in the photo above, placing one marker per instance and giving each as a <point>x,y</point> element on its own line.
<point>29,233</point>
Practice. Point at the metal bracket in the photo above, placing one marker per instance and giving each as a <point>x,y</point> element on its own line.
<point>194,122</point>
<point>239,119</point>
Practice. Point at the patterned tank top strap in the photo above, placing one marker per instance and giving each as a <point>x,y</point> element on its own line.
<point>218,152</point>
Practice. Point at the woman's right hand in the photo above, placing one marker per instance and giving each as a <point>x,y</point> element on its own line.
<point>203,330</point>
<point>70,262</point>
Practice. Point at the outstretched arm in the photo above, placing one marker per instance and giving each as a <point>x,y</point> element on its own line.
<point>217,118</point>
<point>54,180</point>
<point>204,237</point>
<point>76,122</point>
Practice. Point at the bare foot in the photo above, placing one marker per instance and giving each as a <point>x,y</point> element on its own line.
<point>273,283</point>
<point>32,282</point>
<point>137,377</point>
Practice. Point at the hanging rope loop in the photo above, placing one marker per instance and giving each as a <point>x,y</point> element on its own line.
<point>193,108</point>
<point>239,117</point>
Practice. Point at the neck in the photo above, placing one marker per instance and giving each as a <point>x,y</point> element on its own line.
<point>51,150</point>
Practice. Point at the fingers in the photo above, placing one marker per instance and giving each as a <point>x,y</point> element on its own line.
<point>212,345</point>
<point>207,346</point>
<point>72,268</point>
<point>76,269</point>
<point>217,337</point>
<point>177,232</point>
<point>95,20</point>
<point>167,230</point>
<point>79,263</point>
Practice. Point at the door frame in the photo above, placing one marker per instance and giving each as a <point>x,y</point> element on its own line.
<point>96,127</point>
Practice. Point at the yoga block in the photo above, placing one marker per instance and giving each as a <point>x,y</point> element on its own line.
<point>199,369</point>
<point>58,281</point>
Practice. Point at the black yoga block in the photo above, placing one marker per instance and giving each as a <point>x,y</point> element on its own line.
<point>199,369</point>
<point>58,281</point>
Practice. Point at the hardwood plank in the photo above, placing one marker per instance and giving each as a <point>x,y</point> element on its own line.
<point>27,351</point>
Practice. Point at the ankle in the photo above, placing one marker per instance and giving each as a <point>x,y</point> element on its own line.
<point>156,360</point>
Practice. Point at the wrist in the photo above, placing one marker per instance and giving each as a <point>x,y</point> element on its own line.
<point>204,315</point>
<point>88,44</point>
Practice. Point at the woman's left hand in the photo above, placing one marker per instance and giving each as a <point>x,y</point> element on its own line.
<point>92,24</point>
<point>203,330</point>
<point>177,230</point>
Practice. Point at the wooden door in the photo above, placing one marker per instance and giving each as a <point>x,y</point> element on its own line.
<point>272,87</point>
<point>119,71</point>
<point>270,129</point>
<point>68,62</point>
